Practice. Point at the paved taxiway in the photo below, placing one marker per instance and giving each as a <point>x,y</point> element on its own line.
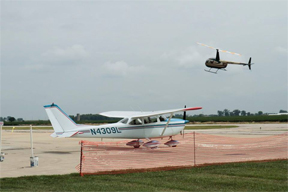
<point>60,156</point>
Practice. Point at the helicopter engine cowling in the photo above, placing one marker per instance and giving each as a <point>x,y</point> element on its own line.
<point>212,63</point>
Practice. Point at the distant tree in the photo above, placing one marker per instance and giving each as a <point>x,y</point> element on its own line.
<point>282,111</point>
<point>11,119</point>
<point>231,113</point>
<point>248,114</point>
<point>243,113</point>
<point>260,113</point>
<point>236,112</point>
<point>179,116</point>
<point>226,112</point>
<point>20,119</point>
<point>220,113</point>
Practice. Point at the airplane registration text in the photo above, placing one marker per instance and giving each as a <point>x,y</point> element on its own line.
<point>108,130</point>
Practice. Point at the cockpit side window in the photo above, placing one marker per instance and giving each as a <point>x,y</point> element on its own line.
<point>137,121</point>
<point>162,118</point>
<point>147,120</point>
<point>153,119</point>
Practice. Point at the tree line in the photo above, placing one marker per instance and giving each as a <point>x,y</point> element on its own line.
<point>237,112</point>
<point>93,117</point>
<point>97,117</point>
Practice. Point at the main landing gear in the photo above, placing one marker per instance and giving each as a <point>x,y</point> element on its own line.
<point>135,143</point>
<point>172,143</point>
<point>153,144</point>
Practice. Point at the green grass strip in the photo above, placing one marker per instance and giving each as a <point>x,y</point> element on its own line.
<point>250,176</point>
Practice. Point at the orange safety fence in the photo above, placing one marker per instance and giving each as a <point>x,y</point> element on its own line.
<point>194,149</point>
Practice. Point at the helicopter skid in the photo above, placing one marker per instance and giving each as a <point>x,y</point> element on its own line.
<point>215,72</point>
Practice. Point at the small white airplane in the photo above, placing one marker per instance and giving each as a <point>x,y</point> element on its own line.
<point>134,125</point>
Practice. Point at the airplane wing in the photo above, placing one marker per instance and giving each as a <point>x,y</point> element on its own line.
<point>120,114</point>
<point>139,114</point>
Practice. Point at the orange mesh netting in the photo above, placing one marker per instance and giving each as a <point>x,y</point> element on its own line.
<point>194,149</point>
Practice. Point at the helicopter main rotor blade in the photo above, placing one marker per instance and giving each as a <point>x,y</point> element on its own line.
<point>233,53</point>
<point>206,45</point>
<point>224,51</point>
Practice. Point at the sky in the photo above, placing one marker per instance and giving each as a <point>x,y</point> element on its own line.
<point>95,56</point>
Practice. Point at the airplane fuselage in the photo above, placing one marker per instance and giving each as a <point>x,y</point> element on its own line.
<point>120,130</point>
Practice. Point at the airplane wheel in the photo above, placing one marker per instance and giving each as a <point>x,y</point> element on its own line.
<point>174,146</point>
<point>137,146</point>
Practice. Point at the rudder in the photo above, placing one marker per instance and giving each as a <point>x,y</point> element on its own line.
<point>60,121</point>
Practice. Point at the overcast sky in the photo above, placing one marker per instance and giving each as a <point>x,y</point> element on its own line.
<point>96,56</point>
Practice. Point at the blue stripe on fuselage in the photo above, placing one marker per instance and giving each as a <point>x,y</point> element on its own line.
<point>151,126</point>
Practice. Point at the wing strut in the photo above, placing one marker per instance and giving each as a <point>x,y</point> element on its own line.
<point>167,124</point>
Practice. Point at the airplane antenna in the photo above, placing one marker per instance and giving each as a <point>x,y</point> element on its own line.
<point>139,108</point>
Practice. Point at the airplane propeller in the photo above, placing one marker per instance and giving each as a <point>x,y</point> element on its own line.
<point>184,118</point>
<point>184,114</point>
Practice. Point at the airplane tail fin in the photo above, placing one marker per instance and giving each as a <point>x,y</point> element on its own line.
<point>61,122</point>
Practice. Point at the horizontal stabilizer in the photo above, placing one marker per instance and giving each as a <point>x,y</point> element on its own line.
<point>63,134</point>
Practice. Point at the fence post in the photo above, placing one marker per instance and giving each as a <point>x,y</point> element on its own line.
<point>1,153</point>
<point>81,156</point>
<point>194,149</point>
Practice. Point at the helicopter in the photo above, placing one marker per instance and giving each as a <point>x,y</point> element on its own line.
<point>217,63</point>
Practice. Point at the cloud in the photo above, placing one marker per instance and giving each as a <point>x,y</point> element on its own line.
<point>68,55</point>
<point>121,68</point>
<point>57,57</point>
<point>188,57</point>
<point>281,50</point>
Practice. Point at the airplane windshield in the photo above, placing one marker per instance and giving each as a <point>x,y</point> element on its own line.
<point>124,121</point>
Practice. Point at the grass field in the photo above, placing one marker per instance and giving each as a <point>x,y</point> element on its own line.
<point>251,176</point>
<point>191,127</point>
